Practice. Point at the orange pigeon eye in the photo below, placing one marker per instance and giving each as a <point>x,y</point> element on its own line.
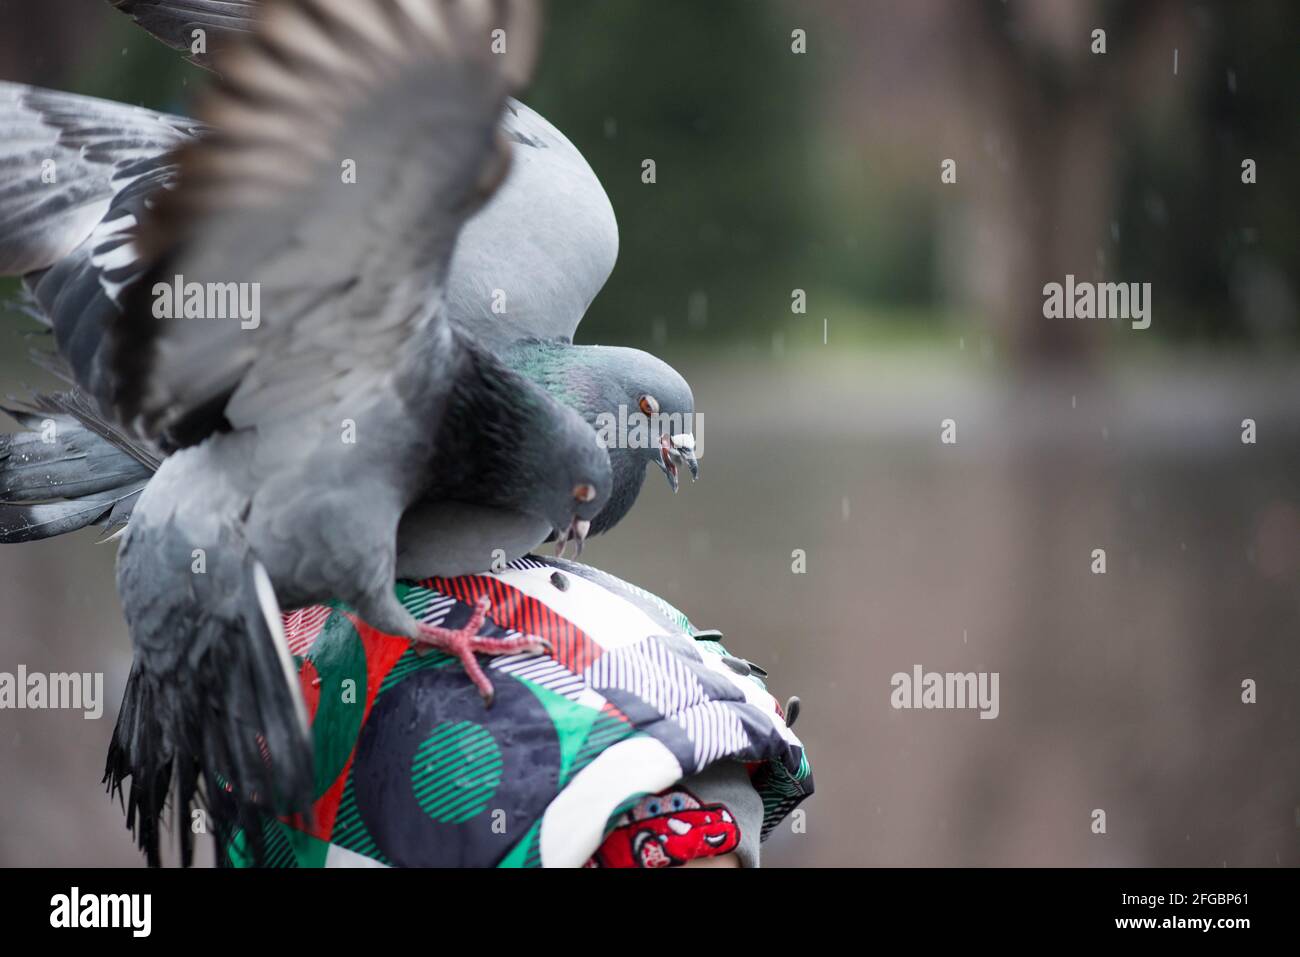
<point>584,493</point>
<point>649,404</point>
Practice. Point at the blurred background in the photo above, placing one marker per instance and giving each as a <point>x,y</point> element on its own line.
<point>820,171</point>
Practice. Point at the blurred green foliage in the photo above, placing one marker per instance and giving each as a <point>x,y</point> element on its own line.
<point>710,93</point>
<point>1230,252</point>
<point>757,194</point>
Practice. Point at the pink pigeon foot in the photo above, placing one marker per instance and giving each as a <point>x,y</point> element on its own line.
<point>464,642</point>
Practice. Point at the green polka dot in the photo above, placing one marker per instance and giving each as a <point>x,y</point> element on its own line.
<point>455,772</point>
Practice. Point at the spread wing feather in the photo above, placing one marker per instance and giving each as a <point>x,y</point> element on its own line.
<point>548,239</point>
<point>62,158</point>
<point>174,22</point>
<point>350,141</point>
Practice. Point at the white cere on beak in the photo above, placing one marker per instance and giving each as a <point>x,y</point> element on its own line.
<point>684,440</point>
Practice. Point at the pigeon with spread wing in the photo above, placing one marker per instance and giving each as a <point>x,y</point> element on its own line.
<point>525,270</point>
<point>300,431</point>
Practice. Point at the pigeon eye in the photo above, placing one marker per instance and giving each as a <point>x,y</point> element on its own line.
<point>584,493</point>
<point>649,404</point>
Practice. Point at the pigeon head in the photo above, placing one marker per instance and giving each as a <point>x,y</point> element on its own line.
<point>581,480</point>
<point>640,407</point>
<point>506,443</point>
<point>652,407</point>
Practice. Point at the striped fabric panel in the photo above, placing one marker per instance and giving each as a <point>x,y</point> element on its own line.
<point>715,730</point>
<point>541,670</point>
<point>652,672</point>
<point>350,831</point>
<point>605,731</point>
<point>514,611</point>
<point>780,793</point>
<point>429,607</point>
<point>303,626</point>
<point>279,849</point>
<point>526,563</point>
<point>411,662</point>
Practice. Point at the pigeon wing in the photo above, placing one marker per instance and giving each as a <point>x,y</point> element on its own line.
<point>529,264</point>
<point>62,159</point>
<point>174,22</point>
<point>350,142</point>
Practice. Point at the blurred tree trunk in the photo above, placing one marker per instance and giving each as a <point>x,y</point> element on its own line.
<point>1050,213</point>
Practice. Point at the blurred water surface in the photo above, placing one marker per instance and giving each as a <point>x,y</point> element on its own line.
<point>1120,692</point>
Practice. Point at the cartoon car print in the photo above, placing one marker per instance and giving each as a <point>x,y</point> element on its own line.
<point>667,830</point>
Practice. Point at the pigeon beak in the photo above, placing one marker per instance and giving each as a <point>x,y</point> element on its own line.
<point>666,463</point>
<point>579,531</point>
<point>576,532</point>
<point>692,463</point>
<point>684,445</point>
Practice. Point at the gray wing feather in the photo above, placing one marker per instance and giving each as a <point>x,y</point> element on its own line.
<point>29,523</point>
<point>73,463</point>
<point>62,158</point>
<point>347,271</point>
<point>548,239</point>
<point>174,21</point>
<point>72,470</point>
<point>69,226</point>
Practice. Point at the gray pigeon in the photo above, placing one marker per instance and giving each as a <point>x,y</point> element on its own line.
<point>113,159</point>
<point>302,429</point>
<point>599,381</point>
<point>525,270</point>
<point>542,246</point>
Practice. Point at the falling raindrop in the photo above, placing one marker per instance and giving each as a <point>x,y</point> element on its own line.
<point>697,309</point>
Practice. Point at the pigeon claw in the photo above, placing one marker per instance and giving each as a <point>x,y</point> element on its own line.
<point>464,643</point>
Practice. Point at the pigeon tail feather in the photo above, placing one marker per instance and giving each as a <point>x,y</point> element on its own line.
<point>224,731</point>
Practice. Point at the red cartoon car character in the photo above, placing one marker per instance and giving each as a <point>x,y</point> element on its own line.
<point>668,829</point>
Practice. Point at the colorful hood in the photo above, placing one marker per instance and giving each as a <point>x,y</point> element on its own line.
<point>413,770</point>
